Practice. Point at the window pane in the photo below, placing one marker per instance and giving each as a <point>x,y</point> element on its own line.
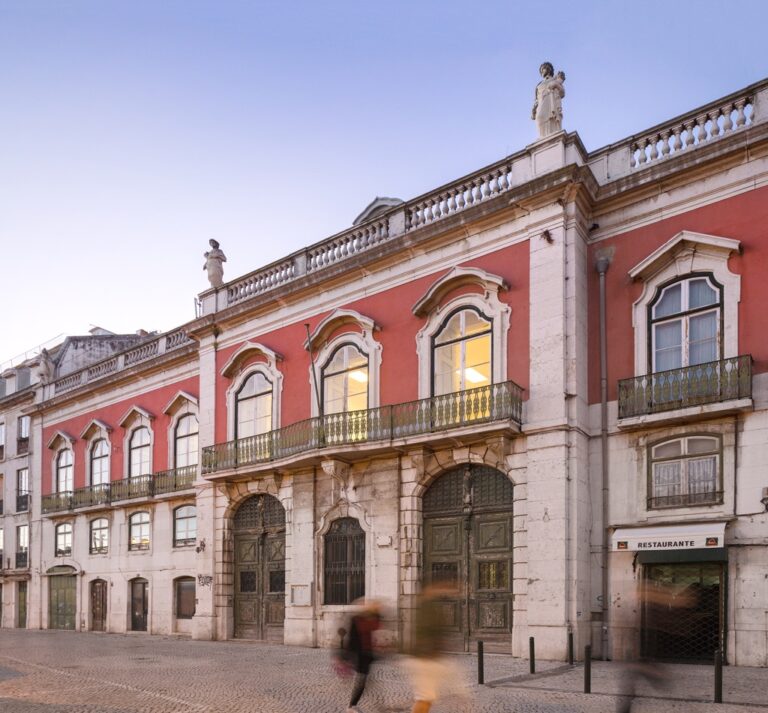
<point>666,479</point>
<point>452,330</point>
<point>474,323</point>
<point>477,362</point>
<point>99,463</point>
<point>668,353</point>
<point>255,384</point>
<point>702,338</point>
<point>670,302</point>
<point>254,415</point>
<point>701,294</point>
<point>702,475</point>
<point>447,368</point>
<point>186,450</point>
<point>99,535</point>
<point>702,445</point>
<point>670,449</point>
<point>333,389</point>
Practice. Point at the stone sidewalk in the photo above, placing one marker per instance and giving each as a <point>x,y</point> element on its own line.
<point>67,672</point>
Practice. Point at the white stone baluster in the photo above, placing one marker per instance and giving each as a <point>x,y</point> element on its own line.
<point>654,154</point>
<point>665,142</point>
<point>741,119</point>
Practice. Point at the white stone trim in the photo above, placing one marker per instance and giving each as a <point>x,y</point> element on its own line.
<point>60,436</point>
<point>180,398</point>
<point>367,345</point>
<point>181,406</point>
<point>133,420</point>
<point>98,425</point>
<point>275,377</point>
<point>491,306</point>
<point>684,254</point>
<point>132,413</point>
<point>343,508</point>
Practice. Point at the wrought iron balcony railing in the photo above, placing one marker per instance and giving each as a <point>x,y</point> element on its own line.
<point>142,486</point>
<point>497,402</point>
<point>712,382</point>
<point>22,560</point>
<point>712,497</point>
<point>22,502</point>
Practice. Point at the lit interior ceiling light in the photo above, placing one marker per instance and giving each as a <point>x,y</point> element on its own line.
<point>473,376</point>
<point>359,376</point>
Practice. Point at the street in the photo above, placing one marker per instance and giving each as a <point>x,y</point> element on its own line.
<point>67,672</point>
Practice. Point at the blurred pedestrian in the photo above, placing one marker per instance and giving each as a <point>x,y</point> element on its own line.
<point>360,649</point>
<point>432,672</point>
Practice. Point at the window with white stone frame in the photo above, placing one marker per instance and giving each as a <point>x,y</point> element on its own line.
<point>344,561</point>
<point>345,380</point>
<point>462,352</point>
<point>184,526</point>
<point>64,539</point>
<point>185,439</point>
<point>139,452</point>
<point>685,319</point>
<point>253,406</point>
<point>64,471</point>
<point>99,536</point>
<point>99,462</point>
<point>139,531</point>
<point>685,471</point>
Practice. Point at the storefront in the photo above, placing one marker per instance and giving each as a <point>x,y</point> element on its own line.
<point>682,572</point>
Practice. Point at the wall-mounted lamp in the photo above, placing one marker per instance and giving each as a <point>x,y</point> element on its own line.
<point>200,547</point>
<point>764,499</point>
<point>548,236</point>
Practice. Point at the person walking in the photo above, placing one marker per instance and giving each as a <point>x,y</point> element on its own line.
<point>360,649</point>
<point>430,669</point>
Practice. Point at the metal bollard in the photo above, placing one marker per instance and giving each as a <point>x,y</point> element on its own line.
<point>718,676</point>
<point>587,669</point>
<point>480,664</point>
<point>570,648</point>
<point>531,655</point>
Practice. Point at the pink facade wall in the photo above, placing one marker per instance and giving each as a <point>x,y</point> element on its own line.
<point>742,218</point>
<point>391,311</point>
<point>152,401</point>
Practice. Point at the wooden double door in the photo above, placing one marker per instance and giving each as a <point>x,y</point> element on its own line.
<point>468,551</point>
<point>139,604</point>
<point>259,531</point>
<point>98,605</point>
<point>62,601</point>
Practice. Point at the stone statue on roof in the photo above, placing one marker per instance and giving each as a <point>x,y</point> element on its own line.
<point>214,264</point>
<point>548,107</point>
<point>45,367</point>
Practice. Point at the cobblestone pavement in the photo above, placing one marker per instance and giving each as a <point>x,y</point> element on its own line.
<point>67,672</point>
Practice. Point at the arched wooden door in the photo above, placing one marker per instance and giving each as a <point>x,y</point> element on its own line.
<point>98,605</point>
<point>259,530</point>
<point>468,547</point>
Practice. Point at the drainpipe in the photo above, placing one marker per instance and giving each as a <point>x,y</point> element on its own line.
<point>602,267</point>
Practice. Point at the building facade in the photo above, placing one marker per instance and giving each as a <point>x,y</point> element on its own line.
<point>542,385</point>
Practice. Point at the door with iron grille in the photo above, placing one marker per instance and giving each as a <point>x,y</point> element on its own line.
<point>139,604</point>
<point>98,605</point>
<point>468,548</point>
<point>259,530</point>
<point>683,611</point>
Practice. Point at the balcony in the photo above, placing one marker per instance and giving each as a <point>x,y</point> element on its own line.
<point>22,446</point>
<point>497,402</point>
<point>681,500</point>
<point>22,502</point>
<point>143,486</point>
<point>22,560</point>
<point>727,382</point>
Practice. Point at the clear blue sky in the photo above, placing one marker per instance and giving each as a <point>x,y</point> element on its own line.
<point>133,131</point>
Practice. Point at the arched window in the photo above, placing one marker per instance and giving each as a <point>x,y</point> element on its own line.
<point>345,380</point>
<point>344,561</point>
<point>100,462</point>
<point>139,453</point>
<point>185,597</point>
<point>64,477</point>
<point>99,536</point>
<point>64,539</point>
<point>253,406</point>
<point>185,441</point>
<point>685,471</point>
<point>138,527</point>
<point>461,353</point>
<point>184,526</point>
<point>685,324</point>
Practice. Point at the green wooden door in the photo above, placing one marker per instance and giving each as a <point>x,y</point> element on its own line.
<point>62,602</point>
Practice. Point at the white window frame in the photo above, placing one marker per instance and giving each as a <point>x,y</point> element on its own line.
<point>491,307</point>
<point>364,342</point>
<point>684,254</point>
<point>134,420</point>
<point>275,377</point>
<point>181,405</point>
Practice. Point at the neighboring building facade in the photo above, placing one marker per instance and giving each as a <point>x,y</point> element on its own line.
<point>542,385</point>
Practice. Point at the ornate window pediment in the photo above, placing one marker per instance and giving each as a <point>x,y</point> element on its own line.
<point>135,414</point>
<point>457,277</point>
<point>247,351</point>
<point>60,440</point>
<point>181,401</point>
<point>95,428</point>
<point>336,319</point>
